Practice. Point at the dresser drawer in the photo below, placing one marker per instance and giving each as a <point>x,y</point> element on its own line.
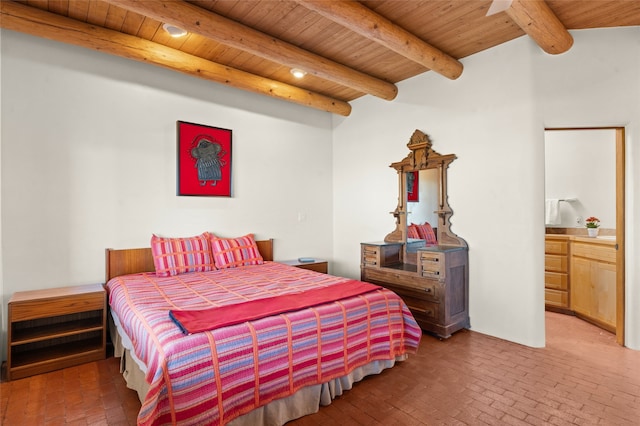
<point>381,255</point>
<point>371,255</point>
<point>556,280</point>
<point>423,289</point>
<point>421,305</point>
<point>432,265</point>
<point>423,308</point>
<point>555,263</point>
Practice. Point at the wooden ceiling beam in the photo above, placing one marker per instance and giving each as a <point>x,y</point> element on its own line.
<point>33,21</point>
<point>362,20</point>
<point>538,21</point>
<point>223,30</point>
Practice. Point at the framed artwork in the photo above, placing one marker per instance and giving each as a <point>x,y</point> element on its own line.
<point>204,160</point>
<point>412,187</point>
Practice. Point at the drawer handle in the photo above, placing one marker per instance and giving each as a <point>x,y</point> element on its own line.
<point>428,290</point>
<point>431,259</point>
<point>427,312</point>
<point>430,273</point>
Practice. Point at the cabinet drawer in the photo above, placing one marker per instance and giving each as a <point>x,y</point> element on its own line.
<point>421,307</point>
<point>425,289</point>
<point>555,280</point>
<point>599,252</point>
<point>556,247</point>
<point>432,265</point>
<point>556,298</point>
<point>371,255</point>
<point>42,308</point>
<point>555,263</point>
<point>381,255</point>
<point>419,304</point>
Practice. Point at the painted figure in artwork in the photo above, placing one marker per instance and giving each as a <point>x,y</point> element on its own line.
<point>411,177</point>
<point>208,155</point>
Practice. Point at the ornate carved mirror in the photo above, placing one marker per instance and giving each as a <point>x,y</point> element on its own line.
<point>422,194</point>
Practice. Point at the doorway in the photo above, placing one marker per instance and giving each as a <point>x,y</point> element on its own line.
<point>585,176</point>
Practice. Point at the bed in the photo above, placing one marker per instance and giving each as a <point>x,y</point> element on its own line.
<point>261,370</point>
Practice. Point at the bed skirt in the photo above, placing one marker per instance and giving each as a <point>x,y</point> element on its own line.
<point>306,401</point>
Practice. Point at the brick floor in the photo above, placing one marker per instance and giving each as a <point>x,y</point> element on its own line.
<point>581,377</point>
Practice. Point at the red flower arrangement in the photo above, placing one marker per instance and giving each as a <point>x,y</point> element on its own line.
<point>592,222</point>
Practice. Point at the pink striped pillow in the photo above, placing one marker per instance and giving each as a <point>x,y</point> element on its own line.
<point>173,256</point>
<point>426,233</point>
<point>233,252</point>
<point>412,232</point>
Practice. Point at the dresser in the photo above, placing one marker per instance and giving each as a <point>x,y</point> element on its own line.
<point>432,279</point>
<point>436,288</point>
<point>556,272</point>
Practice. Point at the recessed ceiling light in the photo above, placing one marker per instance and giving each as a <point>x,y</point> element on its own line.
<point>174,31</point>
<point>298,73</point>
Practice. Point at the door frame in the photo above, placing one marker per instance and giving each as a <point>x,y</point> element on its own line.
<point>620,141</point>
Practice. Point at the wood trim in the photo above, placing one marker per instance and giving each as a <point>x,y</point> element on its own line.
<point>620,233</point>
<point>215,27</point>
<point>132,261</point>
<point>36,22</point>
<point>266,248</point>
<point>362,20</point>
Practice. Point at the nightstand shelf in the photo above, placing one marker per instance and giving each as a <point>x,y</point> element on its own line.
<point>55,328</point>
<point>317,265</point>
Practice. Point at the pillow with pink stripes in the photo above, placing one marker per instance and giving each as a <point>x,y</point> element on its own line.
<point>174,256</point>
<point>234,252</point>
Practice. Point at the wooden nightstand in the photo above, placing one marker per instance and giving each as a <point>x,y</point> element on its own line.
<point>55,328</point>
<point>317,265</point>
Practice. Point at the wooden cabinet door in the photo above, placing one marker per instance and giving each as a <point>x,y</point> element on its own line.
<point>604,292</point>
<point>581,286</point>
<point>593,290</point>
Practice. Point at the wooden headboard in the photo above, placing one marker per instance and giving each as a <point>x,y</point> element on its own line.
<point>131,261</point>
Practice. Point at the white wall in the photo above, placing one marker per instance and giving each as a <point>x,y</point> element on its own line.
<point>580,165</point>
<point>493,118</point>
<point>89,162</point>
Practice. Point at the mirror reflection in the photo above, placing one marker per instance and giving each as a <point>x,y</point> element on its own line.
<point>422,203</point>
<point>423,208</point>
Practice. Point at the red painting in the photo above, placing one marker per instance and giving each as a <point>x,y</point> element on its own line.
<point>204,160</point>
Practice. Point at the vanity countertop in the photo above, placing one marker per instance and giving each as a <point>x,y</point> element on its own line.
<point>605,239</point>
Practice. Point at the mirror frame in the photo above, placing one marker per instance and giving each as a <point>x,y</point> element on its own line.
<point>423,157</point>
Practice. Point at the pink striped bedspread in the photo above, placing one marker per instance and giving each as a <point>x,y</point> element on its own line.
<point>214,376</point>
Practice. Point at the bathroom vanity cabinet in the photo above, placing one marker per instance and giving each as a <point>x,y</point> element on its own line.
<point>593,281</point>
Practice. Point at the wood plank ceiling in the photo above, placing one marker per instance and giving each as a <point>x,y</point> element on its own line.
<point>347,48</point>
